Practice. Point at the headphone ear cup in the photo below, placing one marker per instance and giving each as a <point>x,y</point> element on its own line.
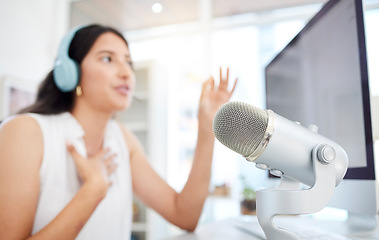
<point>66,74</point>
<point>66,71</point>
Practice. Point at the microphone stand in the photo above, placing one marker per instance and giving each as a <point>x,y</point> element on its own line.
<point>287,199</point>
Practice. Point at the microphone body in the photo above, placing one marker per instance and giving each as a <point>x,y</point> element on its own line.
<point>290,151</point>
<point>274,142</point>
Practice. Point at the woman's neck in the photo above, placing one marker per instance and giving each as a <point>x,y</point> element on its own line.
<point>93,123</point>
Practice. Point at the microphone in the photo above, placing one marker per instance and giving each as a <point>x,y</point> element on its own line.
<point>276,143</point>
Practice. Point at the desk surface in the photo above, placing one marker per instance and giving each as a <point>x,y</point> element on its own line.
<point>223,230</point>
<point>249,228</point>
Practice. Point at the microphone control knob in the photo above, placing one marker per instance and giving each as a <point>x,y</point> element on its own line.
<point>326,154</point>
<point>313,128</point>
<point>276,172</point>
<point>261,166</point>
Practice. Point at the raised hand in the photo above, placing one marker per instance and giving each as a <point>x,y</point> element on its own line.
<point>213,98</point>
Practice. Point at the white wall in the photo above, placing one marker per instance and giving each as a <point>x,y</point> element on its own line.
<point>30,33</point>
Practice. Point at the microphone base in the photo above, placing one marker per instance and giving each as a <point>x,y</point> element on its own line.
<point>287,199</point>
<point>363,227</point>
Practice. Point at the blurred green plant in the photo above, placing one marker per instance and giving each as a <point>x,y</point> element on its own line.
<point>247,191</point>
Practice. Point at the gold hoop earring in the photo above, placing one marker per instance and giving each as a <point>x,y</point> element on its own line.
<point>78,91</point>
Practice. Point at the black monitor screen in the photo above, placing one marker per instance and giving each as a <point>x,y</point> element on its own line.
<point>321,78</point>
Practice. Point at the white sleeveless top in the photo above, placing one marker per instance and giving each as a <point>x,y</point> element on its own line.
<point>59,181</point>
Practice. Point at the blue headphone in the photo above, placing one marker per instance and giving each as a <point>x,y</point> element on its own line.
<point>66,70</point>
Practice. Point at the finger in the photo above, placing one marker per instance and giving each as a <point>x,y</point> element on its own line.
<point>77,158</point>
<point>234,86</point>
<point>211,83</point>
<point>102,153</point>
<point>227,74</point>
<point>111,168</point>
<point>203,89</point>
<point>109,160</point>
<point>224,82</point>
<point>207,86</point>
<point>71,149</point>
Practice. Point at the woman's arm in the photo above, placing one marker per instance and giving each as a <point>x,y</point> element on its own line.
<point>182,209</point>
<point>21,154</point>
<point>21,151</point>
<point>196,189</point>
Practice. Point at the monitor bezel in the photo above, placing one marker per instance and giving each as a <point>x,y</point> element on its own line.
<point>368,172</point>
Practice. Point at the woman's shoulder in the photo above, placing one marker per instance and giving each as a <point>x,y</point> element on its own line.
<point>21,131</point>
<point>20,123</point>
<point>21,146</point>
<point>29,121</point>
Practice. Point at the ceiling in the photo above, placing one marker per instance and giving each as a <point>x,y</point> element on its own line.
<point>128,15</point>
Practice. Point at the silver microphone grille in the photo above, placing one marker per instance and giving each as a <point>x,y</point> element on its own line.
<point>240,126</point>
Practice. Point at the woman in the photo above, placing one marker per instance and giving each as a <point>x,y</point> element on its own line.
<point>67,169</point>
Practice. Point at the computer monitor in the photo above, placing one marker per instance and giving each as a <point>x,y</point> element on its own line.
<point>321,78</point>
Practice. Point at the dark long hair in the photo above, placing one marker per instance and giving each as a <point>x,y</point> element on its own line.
<point>50,100</point>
